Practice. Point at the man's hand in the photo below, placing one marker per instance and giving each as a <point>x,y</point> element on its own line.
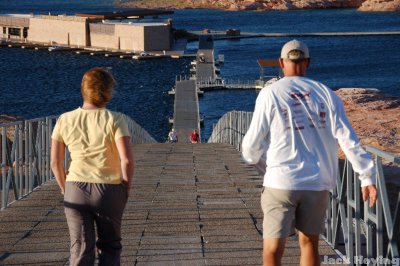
<point>371,193</point>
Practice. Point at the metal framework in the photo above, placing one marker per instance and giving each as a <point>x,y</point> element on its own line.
<point>231,128</point>
<point>25,157</point>
<point>363,236</point>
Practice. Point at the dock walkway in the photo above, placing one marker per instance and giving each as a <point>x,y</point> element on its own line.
<point>186,109</point>
<point>189,205</point>
<point>186,106</point>
<point>221,35</point>
<point>205,63</point>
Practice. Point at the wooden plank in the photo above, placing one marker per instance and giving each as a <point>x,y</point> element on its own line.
<point>189,205</point>
<point>205,67</point>
<point>186,109</point>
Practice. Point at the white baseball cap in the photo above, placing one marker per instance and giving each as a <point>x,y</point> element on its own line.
<point>295,50</point>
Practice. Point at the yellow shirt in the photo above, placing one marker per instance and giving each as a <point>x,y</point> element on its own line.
<point>90,137</point>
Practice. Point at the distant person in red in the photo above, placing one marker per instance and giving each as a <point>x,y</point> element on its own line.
<point>194,137</point>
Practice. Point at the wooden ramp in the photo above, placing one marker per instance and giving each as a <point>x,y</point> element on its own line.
<point>205,66</point>
<point>186,110</point>
<point>186,107</point>
<point>191,204</point>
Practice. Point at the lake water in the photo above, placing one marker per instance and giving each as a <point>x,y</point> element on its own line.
<point>39,83</point>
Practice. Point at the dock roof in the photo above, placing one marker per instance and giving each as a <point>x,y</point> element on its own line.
<point>268,63</point>
<point>137,12</point>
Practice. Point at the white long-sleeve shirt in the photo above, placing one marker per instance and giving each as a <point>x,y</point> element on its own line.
<point>297,124</point>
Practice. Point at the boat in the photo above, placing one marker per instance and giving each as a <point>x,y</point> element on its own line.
<point>141,56</point>
<point>57,48</point>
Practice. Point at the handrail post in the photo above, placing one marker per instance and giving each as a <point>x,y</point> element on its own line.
<point>30,156</point>
<point>20,162</point>
<point>3,167</point>
<point>349,220</point>
<point>379,210</point>
<point>15,162</point>
<point>48,148</point>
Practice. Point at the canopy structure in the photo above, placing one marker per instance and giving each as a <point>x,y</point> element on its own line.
<point>273,63</point>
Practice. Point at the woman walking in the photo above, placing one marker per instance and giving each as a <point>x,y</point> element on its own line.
<point>97,183</point>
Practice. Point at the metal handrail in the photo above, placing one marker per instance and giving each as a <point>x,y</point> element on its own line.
<point>25,155</point>
<point>370,236</point>
<point>360,234</point>
<point>138,134</point>
<point>225,83</point>
<point>231,128</point>
<point>237,84</point>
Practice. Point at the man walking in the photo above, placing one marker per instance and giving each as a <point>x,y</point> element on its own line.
<point>297,124</point>
<point>172,136</point>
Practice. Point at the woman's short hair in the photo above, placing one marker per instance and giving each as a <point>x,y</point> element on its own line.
<point>97,86</point>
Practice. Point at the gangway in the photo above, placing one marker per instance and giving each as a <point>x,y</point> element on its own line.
<point>186,116</point>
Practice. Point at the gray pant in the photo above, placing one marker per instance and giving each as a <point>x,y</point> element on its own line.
<point>87,205</point>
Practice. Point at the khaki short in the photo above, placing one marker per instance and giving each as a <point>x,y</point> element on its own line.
<point>285,210</point>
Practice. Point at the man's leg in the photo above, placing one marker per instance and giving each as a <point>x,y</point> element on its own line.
<point>310,222</point>
<point>273,251</point>
<point>309,250</point>
<point>278,207</point>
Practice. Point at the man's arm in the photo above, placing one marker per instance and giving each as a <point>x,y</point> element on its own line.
<point>254,141</point>
<point>360,159</point>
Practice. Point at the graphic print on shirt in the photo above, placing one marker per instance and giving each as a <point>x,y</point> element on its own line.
<point>322,116</point>
<point>303,113</point>
<point>284,112</point>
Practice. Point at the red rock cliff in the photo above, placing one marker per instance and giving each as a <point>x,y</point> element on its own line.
<point>265,5</point>
<point>380,5</point>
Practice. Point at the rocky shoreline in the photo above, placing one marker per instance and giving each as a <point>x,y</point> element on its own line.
<point>267,5</point>
<point>376,120</point>
<point>4,118</point>
<point>374,116</point>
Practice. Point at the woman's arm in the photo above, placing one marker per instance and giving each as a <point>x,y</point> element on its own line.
<point>124,148</point>
<point>57,163</point>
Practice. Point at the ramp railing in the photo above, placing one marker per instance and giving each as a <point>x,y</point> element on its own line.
<point>25,155</point>
<point>231,128</point>
<point>363,236</point>
<point>226,84</point>
<point>139,134</point>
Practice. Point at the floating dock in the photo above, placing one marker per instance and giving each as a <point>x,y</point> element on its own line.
<point>221,35</point>
<point>205,63</point>
<point>186,106</point>
<point>186,110</point>
<point>93,52</point>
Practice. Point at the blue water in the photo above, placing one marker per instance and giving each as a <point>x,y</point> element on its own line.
<point>38,83</point>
